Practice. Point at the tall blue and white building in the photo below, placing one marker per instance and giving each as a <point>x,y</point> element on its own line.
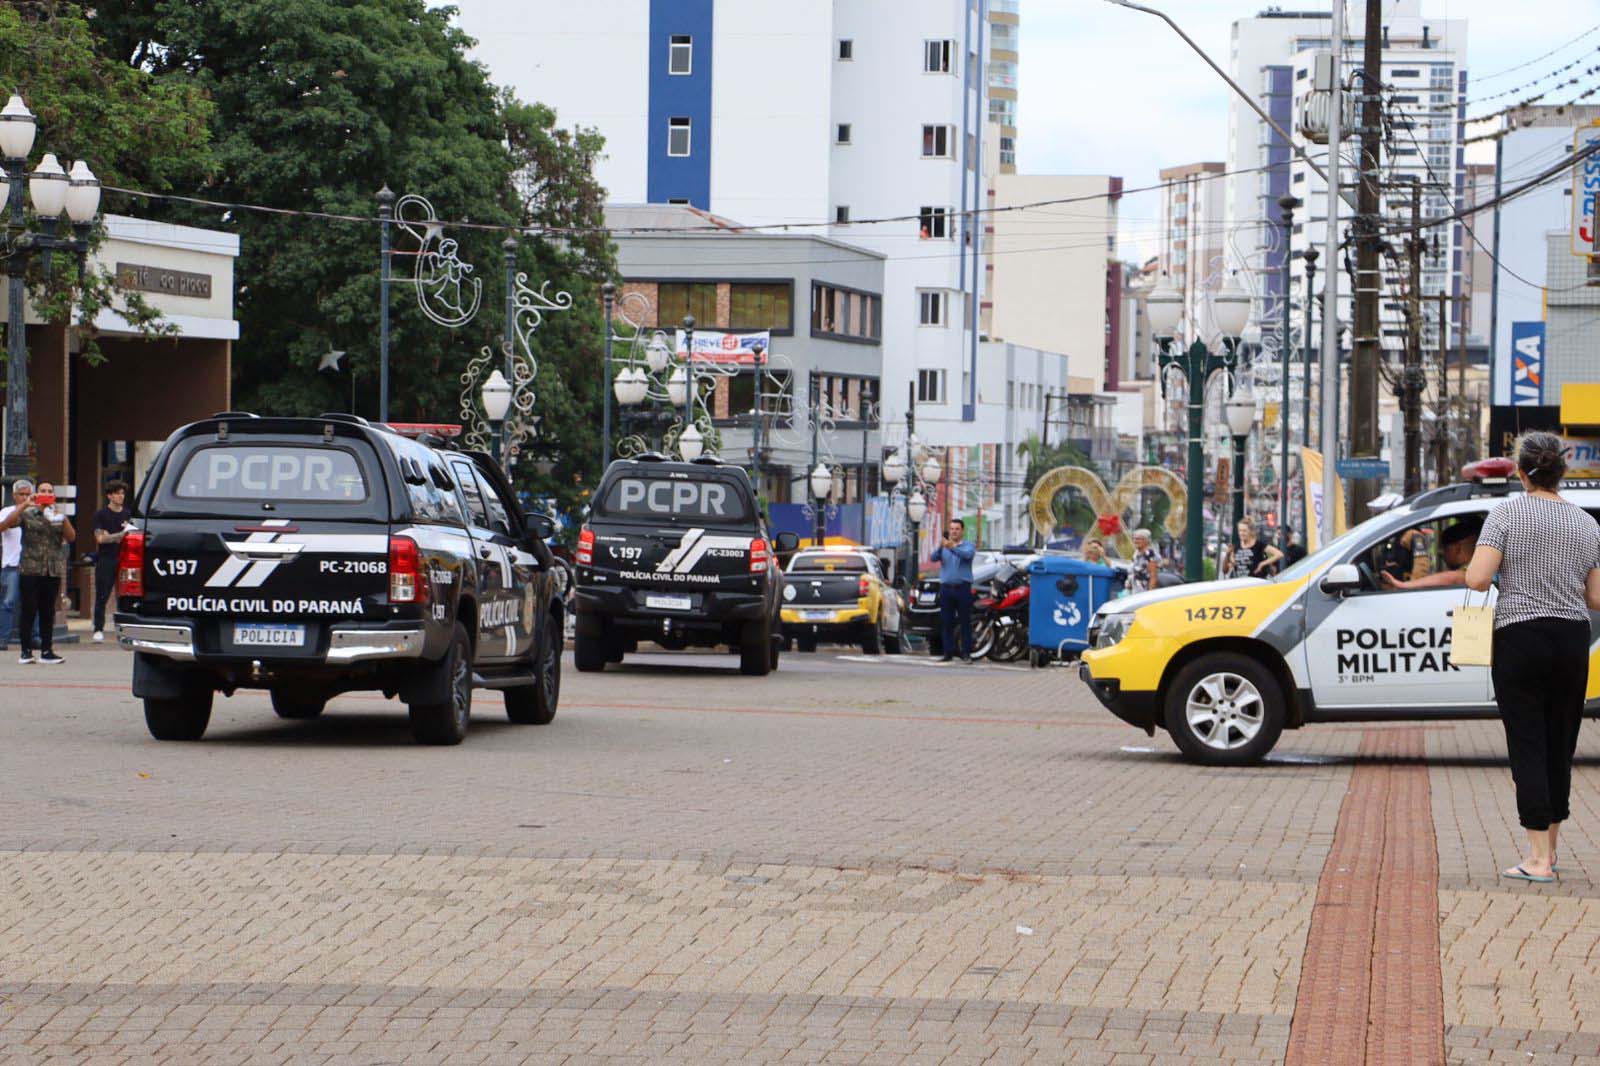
<point>822,114</point>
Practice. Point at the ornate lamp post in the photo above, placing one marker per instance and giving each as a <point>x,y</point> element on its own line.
<point>496,398</point>
<point>1241,413</point>
<point>608,300</point>
<point>52,191</point>
<point>1197,363</point>
<point>821,487</point>
<point>1285,357</point>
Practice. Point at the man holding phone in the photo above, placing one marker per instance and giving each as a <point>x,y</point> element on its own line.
<point>954,556</point>
<point>45,533</point>
<point>11,559</point>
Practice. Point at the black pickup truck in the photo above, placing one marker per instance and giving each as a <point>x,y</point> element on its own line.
<point>677,553</point>
<point>313,556</point>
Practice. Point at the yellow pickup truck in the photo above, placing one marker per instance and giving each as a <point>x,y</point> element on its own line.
<point>839,595</point>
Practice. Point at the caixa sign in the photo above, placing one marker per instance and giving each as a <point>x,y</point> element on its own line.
<point>1527,364</point>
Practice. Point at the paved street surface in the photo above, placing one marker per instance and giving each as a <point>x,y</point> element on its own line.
<point>855,860</point>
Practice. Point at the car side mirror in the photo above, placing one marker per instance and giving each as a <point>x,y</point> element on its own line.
<point>541,526</point>
<point>1346,577</point>
<point>786,542</point>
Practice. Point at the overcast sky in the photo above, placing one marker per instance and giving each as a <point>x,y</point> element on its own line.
<point>1107,90</point>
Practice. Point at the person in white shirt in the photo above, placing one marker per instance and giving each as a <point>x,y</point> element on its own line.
<point>11,561</point>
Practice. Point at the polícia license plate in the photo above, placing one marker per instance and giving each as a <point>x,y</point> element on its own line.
<point>268,635</point>
<point>668,603</point>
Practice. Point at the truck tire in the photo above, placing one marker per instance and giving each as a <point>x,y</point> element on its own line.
<point>535,704</point>
<point>589,645</point>
<point>183,718</point>
<point>446,722</point>
<point>872,640</point>
<point>1225,709</point>
<point>755,649</point>
<point>287,703</point>
<point>777,648</point>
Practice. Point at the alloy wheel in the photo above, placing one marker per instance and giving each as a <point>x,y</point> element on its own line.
<point>1224,711</point>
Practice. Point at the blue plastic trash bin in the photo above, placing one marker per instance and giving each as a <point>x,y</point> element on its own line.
<point>1063,594</point>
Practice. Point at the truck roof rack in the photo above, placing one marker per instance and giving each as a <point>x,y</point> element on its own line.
<point>234,414</point>
<point>343,416</point>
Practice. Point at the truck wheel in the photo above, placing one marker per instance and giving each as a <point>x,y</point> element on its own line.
<point>1225,709</point>
<point>287,703</point>
<point>446,723</point>
<point>589,645</point>
<point>535,704</point>
<point>872,640</point>
<point>184,718</point>
<point>777,647</point>
<point>755,649</point>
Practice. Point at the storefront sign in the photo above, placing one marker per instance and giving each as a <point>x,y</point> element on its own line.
<point>144,278</point>
<point>739,349</point>
<point>1585,191</point>
<point>1527,364</point>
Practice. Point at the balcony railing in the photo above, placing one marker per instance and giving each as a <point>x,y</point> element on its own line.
<point>1004,7</point>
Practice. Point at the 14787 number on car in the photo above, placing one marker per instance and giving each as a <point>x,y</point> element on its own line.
<point>1211,614</point>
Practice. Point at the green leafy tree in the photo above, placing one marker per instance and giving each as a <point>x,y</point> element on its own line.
<point>316,105</point>
<point>135,128</point>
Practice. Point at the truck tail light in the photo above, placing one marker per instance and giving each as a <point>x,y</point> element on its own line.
<point>760,557</point>
<point>407,582</point>
<point>586,547</point>
<point>130,564</point>
<point>863,587</point>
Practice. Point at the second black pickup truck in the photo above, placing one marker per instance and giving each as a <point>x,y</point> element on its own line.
<point>677,553</point>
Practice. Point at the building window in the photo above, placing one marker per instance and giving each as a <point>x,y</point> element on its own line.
<point>841,213</point>
<point>842,134</point>
<point>936,56</point>
<point>930,386</point>
<point>1002,74</point>
<point>1008,151</point>
<point>847,49</point>
<point>937,141</point>
<point>1003,36</point>
<point>934,223</point>
<point>846,397</point>
<point>933,307</point>
<point>840,312</point>
<point>676,299</point>
<point>760,305</point>
<point>680,55</point>
<point>678,136</point>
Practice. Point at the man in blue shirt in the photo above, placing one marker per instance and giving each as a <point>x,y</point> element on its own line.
<point>954,556</point>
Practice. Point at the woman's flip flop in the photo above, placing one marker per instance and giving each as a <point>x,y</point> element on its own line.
<point>1517,873</point>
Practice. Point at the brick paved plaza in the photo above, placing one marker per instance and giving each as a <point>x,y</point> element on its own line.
<point>851,861</point>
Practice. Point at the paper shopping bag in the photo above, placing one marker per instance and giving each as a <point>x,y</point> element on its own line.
<point>1472,635</point>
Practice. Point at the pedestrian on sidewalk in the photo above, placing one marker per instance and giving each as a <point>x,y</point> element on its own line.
<point>1253,557</point>
<point>11,559</point>
<point>110,522</point>
<point>1546,553</point>
<point>1146,573</point>
<point>46,531</point>
<point>954,556</point>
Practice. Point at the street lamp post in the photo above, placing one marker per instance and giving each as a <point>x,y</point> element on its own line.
<point>1197,363</point>
<point>385,217</point>
<point>821,480</point>
<point>1310,257</point>
<point>496,397</point>
<point>1241,414</point>
<point>1285,357</point>
<point>688,374</point>
<point>52,191</point>
<point>509,248</point>
<point>608,297</point>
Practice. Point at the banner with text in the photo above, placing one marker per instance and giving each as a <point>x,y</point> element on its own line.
<point>735,349</point>
<point>1527,364</point>
<point>1311,472</point>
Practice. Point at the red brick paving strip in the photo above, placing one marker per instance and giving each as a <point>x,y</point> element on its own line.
<point>1370,984</point>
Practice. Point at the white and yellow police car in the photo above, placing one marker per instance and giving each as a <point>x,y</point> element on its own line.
<point>1225,666</point>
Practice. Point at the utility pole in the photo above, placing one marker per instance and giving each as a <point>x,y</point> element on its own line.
<point>1367,349</point>
<point>1286,204</point>
<point>1442,422</point>
<point>1328,434</point>
<point>1410,388</point>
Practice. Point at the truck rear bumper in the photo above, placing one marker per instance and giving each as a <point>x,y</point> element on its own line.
<point>347,643</point>
<point>625,605</point>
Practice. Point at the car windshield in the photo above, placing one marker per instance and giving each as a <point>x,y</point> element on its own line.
<point>274,472</point>
<point>674,498</point>
<point>1335,547</point>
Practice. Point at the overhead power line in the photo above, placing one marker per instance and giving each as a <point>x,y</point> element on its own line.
<point>1540,58</point>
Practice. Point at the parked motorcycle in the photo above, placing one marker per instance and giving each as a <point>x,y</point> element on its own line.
<point>1000,617</point>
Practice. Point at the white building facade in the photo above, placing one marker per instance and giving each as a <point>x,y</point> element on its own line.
<point>813,113</point>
